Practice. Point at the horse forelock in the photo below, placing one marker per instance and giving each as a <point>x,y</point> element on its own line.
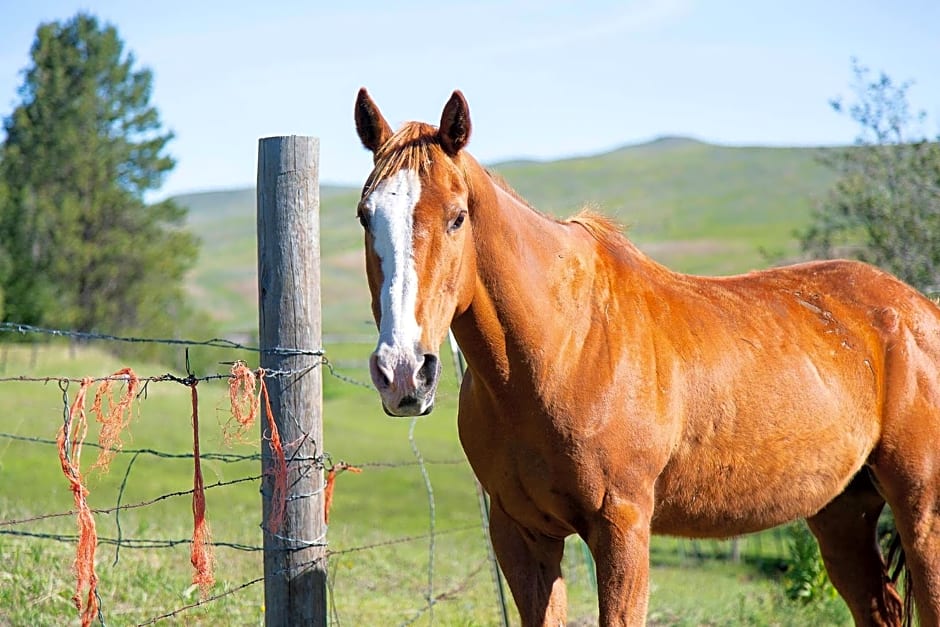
<point>413,147</point>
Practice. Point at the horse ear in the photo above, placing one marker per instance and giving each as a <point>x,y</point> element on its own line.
<point>455,124</point>
<point>370,124</point>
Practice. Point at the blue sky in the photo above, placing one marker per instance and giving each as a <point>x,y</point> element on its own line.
<point>544,78</point>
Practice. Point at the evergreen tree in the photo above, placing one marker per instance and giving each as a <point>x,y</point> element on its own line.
<point>885,207</point>
<point>4,258</point>
<point>83,249</point>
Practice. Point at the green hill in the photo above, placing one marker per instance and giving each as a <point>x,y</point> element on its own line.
<point>696,207</point>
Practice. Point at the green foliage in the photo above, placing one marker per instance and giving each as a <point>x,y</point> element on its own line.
<point>885,206</point>
<point>82,148</point>
<point>805,578</point>
<point>4,256</point>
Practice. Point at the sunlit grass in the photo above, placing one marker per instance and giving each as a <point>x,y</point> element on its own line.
<point>380,525</point>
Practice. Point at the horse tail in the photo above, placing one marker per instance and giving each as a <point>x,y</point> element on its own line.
<point>900,575</point>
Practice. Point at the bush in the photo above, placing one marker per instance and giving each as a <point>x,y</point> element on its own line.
<point>805,577</point>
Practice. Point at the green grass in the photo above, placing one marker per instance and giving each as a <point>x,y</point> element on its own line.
<point>143,583</point>
<point>384,506</point>
<point>717,593</point>
<point>370,586</point>
<point>697,208</point>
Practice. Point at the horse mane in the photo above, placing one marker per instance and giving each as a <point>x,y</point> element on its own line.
<point>504,185</point>
<point>604,229</point>
<point>607,231</point>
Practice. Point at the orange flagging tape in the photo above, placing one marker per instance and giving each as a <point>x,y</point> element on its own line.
<point>244,402</point>
<point>279,494</point>
<point>117,417</point>
<point>69,439</point>
<point>201,554</point>
<point>330,482</point>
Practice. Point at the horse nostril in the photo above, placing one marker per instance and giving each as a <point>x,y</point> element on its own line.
<point>380,373</point>
<point>429,370</point>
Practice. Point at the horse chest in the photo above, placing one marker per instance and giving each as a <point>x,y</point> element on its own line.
<point>537,485</point>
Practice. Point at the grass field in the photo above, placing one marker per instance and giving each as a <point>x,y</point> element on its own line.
<point>696,207</point>
<point>384,585</point>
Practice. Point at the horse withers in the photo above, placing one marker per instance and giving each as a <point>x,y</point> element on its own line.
<point>610,397</point>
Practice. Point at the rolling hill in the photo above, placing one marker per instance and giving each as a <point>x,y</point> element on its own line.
<point>693,206</point>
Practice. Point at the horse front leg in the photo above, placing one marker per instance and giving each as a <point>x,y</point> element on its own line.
<point>620,543</point>
<point>531,563</point>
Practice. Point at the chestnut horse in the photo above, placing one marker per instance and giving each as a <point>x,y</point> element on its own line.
<point>610,397</point>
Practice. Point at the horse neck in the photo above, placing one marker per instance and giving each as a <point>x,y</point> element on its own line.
<point>509,323</point>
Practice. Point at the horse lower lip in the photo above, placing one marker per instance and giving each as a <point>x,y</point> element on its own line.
<point>406,410</point>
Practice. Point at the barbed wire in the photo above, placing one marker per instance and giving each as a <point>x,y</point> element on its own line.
<point>128,543</point>
<point>227,458</point>
<point>443,596</point>
<point>153,544</point>
<point>201,602</point>
<point>230,458</point>
<point>190,379</point>
<point>150,543</point>
<point>345,378</point>
<point>117,508</point>
<point>216,342</point>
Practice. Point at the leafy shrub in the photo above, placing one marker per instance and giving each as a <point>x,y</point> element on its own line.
<point>805,577</point>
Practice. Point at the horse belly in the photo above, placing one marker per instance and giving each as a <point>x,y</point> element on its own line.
<point>755,478</point>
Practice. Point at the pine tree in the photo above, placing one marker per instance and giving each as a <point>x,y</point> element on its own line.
<point>83,250</point>
<point>4,257</point>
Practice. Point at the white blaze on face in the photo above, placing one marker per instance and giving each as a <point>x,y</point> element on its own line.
<point>391,207</point>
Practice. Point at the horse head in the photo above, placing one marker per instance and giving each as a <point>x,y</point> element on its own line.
<point>419,252</point>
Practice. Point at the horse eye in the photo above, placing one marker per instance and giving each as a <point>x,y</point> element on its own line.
<point>363,220</point>
<point>458,221</point>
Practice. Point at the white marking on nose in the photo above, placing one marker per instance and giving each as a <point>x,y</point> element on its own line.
<point>392,205</point>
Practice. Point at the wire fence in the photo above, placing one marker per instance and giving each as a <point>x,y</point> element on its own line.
<point>27,524</point>
<point>70,441</point>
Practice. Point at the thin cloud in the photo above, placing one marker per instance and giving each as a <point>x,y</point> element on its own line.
<point>638,17</point>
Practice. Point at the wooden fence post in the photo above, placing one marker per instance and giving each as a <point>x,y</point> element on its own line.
<point>289,318</point>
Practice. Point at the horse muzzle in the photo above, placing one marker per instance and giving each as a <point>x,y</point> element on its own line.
<point>406,380</point>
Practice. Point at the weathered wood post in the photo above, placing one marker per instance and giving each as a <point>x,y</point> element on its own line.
<point>290,336</point>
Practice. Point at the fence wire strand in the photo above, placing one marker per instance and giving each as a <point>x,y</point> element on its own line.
<point>216,342</point>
